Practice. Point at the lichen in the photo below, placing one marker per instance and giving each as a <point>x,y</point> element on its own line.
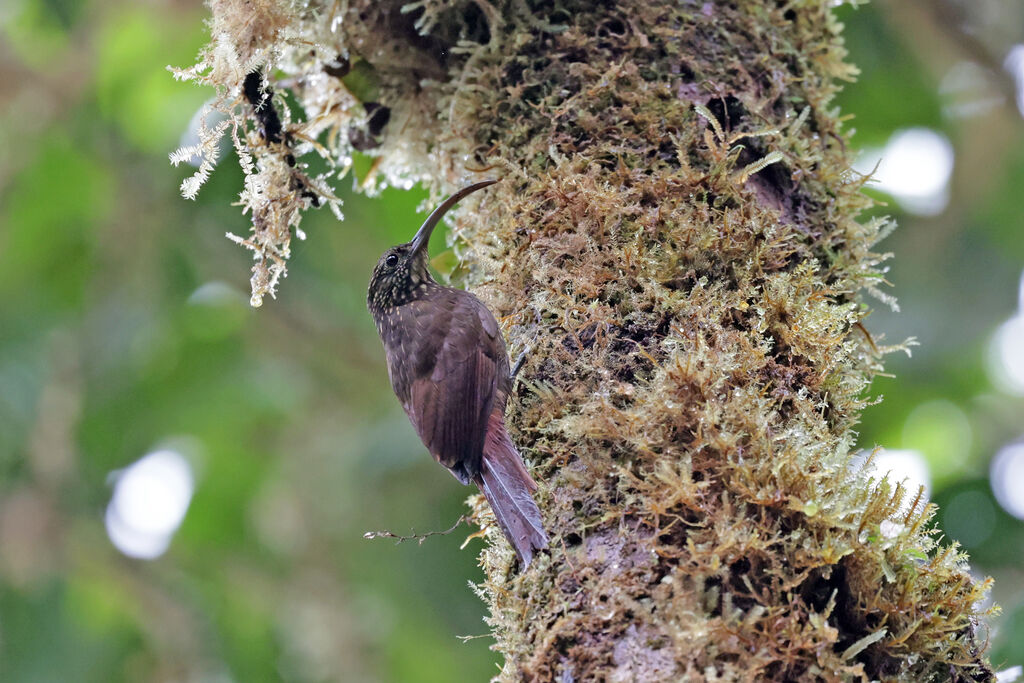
<point>676,239</point>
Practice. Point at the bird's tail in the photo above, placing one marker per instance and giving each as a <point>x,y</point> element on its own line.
<point>508,487</point>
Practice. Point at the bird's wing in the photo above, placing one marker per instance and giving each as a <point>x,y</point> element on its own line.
<point>451,398</point>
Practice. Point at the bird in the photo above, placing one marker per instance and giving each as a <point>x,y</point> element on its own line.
<point>449,368</point>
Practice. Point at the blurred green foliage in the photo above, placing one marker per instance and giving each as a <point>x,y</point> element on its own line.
<point>124,327</point>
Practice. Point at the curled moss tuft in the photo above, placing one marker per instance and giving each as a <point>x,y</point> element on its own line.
<point>676,238</point>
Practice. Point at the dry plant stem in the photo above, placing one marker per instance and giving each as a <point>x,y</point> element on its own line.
<point>419,538</point>
<point>676,238</point>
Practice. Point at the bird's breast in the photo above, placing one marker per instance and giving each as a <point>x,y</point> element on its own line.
<point>413,335</point>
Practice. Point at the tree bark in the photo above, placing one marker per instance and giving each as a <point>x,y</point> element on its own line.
<point>676,239</point>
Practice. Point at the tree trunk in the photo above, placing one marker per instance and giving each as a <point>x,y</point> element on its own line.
<point>675,238</point>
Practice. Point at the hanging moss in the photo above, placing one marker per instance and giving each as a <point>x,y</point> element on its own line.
<point>676,238</point>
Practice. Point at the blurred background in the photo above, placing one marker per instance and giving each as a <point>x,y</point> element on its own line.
<point>185,481</point>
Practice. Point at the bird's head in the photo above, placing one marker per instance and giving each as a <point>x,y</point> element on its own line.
<point>401,274</point>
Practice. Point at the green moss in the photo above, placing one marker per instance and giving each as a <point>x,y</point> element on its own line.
<point>676,238</point>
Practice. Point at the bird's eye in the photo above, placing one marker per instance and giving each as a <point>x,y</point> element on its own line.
<point>391,261</point>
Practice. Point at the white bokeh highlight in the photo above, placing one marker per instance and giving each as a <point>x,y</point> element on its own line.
<point>1014,65</point>
<point>151,497</point>
<point>903,465</point>
<point>915,167</point>
<point>967,91</point>
<point>1010,675</point>
<point>1006,350</point>
<point>1006,475</point>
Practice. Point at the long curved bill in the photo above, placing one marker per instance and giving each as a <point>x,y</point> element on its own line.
<point>422,237</point>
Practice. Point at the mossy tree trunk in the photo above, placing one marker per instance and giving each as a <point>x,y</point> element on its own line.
<point>675,237</point>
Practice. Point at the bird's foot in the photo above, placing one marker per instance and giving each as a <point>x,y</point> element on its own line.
<point>519,363</point>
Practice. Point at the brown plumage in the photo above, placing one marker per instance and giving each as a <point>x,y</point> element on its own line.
<point>449,368</point>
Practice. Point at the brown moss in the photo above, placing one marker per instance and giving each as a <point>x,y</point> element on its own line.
<point>676,239</point>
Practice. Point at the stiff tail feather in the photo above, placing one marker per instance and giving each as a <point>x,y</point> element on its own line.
<point>508,487</point>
